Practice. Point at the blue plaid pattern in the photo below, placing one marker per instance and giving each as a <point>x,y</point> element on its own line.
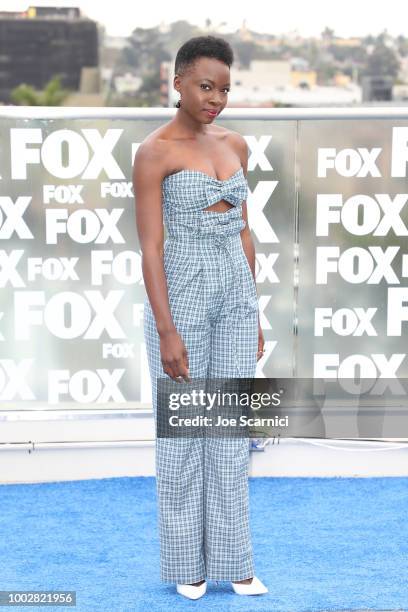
<point>202,483</point>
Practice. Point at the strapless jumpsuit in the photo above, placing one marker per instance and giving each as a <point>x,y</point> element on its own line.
<point>202,483</point>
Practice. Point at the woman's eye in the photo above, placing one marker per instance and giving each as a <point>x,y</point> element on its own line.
<point>205,85</point>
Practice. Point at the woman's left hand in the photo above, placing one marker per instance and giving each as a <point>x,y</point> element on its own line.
<point>261,343</point>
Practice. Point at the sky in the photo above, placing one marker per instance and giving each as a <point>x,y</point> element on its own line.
<point>307,18</point>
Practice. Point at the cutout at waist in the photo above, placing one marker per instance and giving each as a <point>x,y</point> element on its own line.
<point>221,207</point>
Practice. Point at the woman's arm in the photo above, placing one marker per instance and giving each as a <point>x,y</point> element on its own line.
<point>246,237</point>
<point>149,223</point>
<point>147,178</point>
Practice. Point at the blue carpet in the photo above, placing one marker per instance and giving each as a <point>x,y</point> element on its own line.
<point>319,544</point>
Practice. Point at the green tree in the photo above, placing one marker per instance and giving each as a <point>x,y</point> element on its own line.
<point>52,95</point>
<point>382,62</point>
<point>245,51</point>
<point>327,34</point>
<point>145,50</point>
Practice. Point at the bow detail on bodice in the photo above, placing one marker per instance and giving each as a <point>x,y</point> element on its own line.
<point>193,190</point>
<point>225,190</point>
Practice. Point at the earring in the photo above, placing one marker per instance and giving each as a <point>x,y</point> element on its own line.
<point>178,103</point>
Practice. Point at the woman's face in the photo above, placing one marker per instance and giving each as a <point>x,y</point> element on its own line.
<point>204,87</point>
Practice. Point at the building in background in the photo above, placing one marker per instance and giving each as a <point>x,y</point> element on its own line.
<point>41,42</point>
<point>268,83</point>
<point>270,70</point>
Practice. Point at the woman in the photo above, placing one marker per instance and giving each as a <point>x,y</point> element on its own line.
<point>201,316</point>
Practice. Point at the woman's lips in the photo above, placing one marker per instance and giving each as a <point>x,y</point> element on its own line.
<point>211,113</point>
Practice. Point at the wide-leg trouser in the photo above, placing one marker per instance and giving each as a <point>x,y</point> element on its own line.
<point>202,483</point>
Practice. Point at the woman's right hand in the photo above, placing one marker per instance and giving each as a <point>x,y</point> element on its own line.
<point>174,356</point>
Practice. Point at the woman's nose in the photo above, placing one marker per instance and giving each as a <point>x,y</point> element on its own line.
<point>216,101</point>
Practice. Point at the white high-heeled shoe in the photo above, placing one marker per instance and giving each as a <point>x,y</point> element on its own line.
<point>256,587</point>
<point>191,591</point>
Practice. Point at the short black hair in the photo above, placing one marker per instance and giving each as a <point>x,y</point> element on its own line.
<point>203,46</point>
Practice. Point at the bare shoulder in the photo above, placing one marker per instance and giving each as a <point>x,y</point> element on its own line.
<point>152,155</point>
<point>234,139</point>
<point>238,141</point>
